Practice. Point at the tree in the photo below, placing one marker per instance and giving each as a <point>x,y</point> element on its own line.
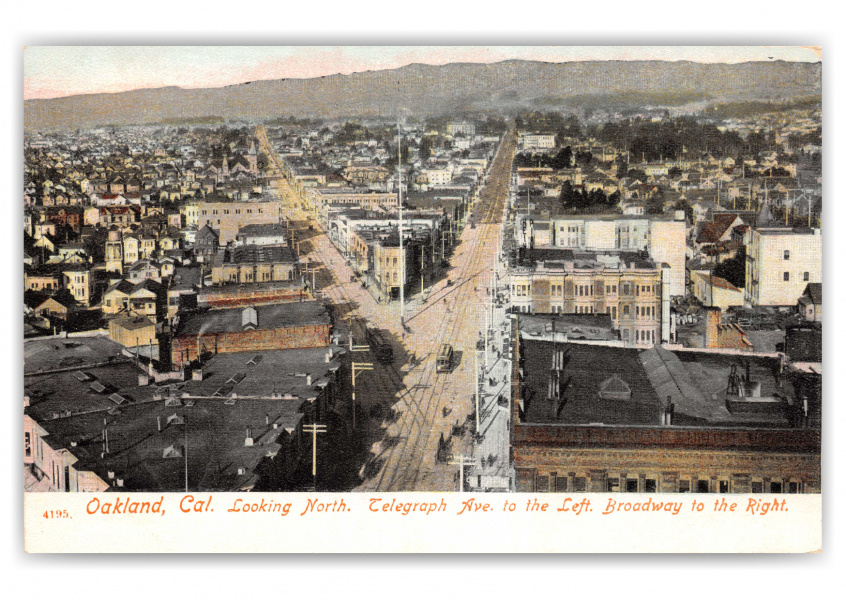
<point>563,159</point>
<point>733,269</point>
<point>655,206</point>
<point>426,147</point>
<point>637,174</point>
<point>684,205</point>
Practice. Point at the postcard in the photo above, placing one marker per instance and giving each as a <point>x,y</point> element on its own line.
<point>499,299</point>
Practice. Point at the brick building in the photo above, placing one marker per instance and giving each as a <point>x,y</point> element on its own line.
<point>259,328</point>
<point>228,217</point>
<point>597,419</point>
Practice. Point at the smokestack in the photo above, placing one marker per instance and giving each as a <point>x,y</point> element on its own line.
<point>712,327</point>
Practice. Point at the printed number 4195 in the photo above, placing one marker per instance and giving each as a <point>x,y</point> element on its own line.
<point>56,514</point>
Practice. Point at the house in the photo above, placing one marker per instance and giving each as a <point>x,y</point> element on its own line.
<point>711,290</point>
<point>810,303</point>
<point>140,299</point>
<point>206,243</point>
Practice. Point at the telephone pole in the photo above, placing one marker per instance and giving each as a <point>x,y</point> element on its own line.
<point>314,429</point>
<point>402,254</point>
<point>462,461</point>
<point>357,367</point>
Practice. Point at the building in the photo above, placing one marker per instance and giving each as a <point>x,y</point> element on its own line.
<point>133,331</point>
<point>262,235</point>
<point>632,290</point>
<point>251,329</point>
<point>780,263</point>
<point>711,290</point>
<point>102,427</point>
<point>255,264</point>
<point>588,418</point>
<point>461,127</point>
<point>228,217</point>
<point>663,238</point>
<point>206,244</point>
<point>810,303</point>
<point>536,140</point>
<point>133,299</point>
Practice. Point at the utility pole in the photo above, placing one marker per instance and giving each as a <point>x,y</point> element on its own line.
<point>462,461</point>
<point>477,391</point>
<point>357,367</point>
<point>402,254</point>
<point>185,451</point>
<point>314,429</point>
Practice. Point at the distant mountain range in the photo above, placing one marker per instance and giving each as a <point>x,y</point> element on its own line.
<point>427,90</point>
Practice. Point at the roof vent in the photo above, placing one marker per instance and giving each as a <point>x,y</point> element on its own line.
<point>615,388</point>
<point>172,452</point>
<point>249,318</point>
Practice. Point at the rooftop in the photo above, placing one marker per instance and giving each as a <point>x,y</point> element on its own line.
<point>271,390</point>
<point>617,386</point>
<point>270,316</point>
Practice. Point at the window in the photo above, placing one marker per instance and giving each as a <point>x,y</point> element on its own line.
<point>684,486</point>
<point>579,484</point>
<point>625,311</point>
<point>775,487</point>
<point>793,487</point>
<point>542,483</point>
<point>651,486</point>
<point>560,484</point>
<point>787,276</point>
<point>702,486</point>
<point>724,487</point>
<point>806,276</point>
<point>631,485</point>
<point>787,255</point>
<point>27,444</point>
<point>613,484</point>
<point>757,487</point>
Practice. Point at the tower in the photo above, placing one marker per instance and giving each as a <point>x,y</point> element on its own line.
<point>114,252</point>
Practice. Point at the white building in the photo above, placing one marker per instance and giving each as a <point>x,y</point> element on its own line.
<point>780,263</point>
<point>662,238</point>
<point>537,140</point>
<point>463,127</point>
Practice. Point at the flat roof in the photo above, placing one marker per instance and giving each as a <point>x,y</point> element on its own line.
<point>215,429</point>
<point>270,316</point>
<point>622,386</point>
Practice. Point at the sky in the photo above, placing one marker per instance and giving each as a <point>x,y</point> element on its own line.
<point>56,71</point>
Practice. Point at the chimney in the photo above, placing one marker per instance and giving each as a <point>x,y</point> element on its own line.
<point>308,379</point>
<point>712,327</point>
<point>248,441</point>
<point>159,423</point>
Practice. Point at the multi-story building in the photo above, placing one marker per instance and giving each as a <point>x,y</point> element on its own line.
<point>536,140</point>
<point>462,127</point>
<point>254,264</point>
<point>780,263</point>
<point>662,237</point>
<point>228,217</point>
<point>631,289</point>
<point>588,418</point>
<point>77,280</point>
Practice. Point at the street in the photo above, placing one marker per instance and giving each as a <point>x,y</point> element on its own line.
<point>407,410</point>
